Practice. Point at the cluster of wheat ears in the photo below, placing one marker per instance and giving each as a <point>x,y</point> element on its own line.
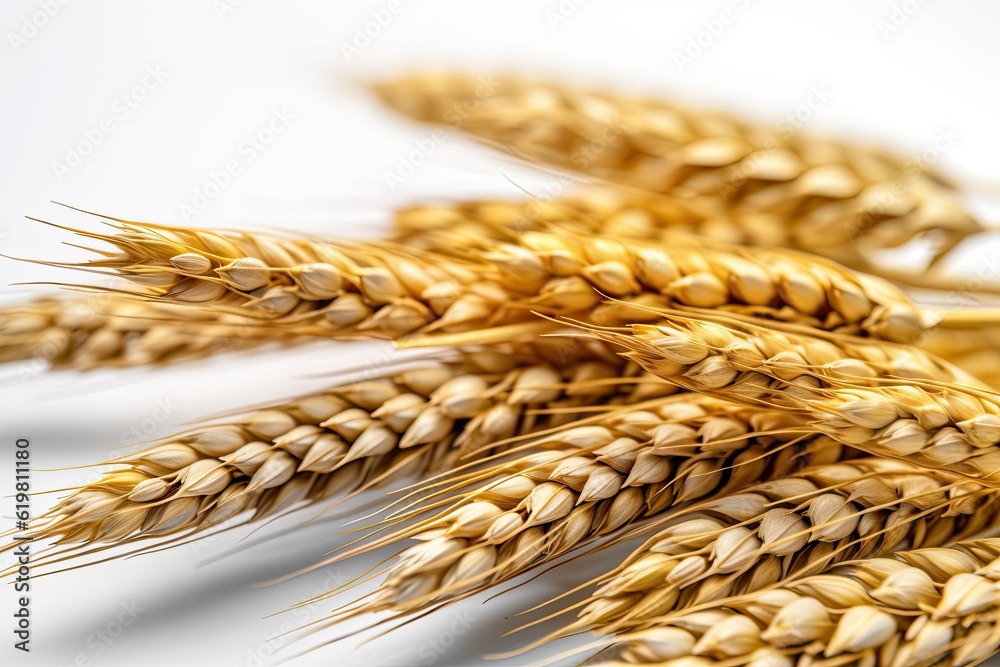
<point>697,352</point>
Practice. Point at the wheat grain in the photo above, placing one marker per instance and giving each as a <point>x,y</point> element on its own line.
<point>941,427</point>
<point>800,393</point>
<point>830,196</point>
<point>936,606</point>
<point>766,283</point>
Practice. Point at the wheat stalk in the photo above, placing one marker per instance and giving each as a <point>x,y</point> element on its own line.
<point>828,195</point>
<point>780,530</point>
<point>346,438</point>
<point>110,330</point>
<point>936,606</point>
<point>600,478</point>
<point>392,292</point>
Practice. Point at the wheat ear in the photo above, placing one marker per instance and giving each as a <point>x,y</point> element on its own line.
<point>627,213</point>
<point>783,529</point>
<point>916,413</point>
<point>352,290</point>
<point>393,292</point>
<point>831,197</point>
<point>612,212</point>
<point>936,606</point>
<point>109,330</point>
<point>600,478</point>
<point>348,437</point>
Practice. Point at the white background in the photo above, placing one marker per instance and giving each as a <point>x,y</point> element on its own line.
<point>225,72</point>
